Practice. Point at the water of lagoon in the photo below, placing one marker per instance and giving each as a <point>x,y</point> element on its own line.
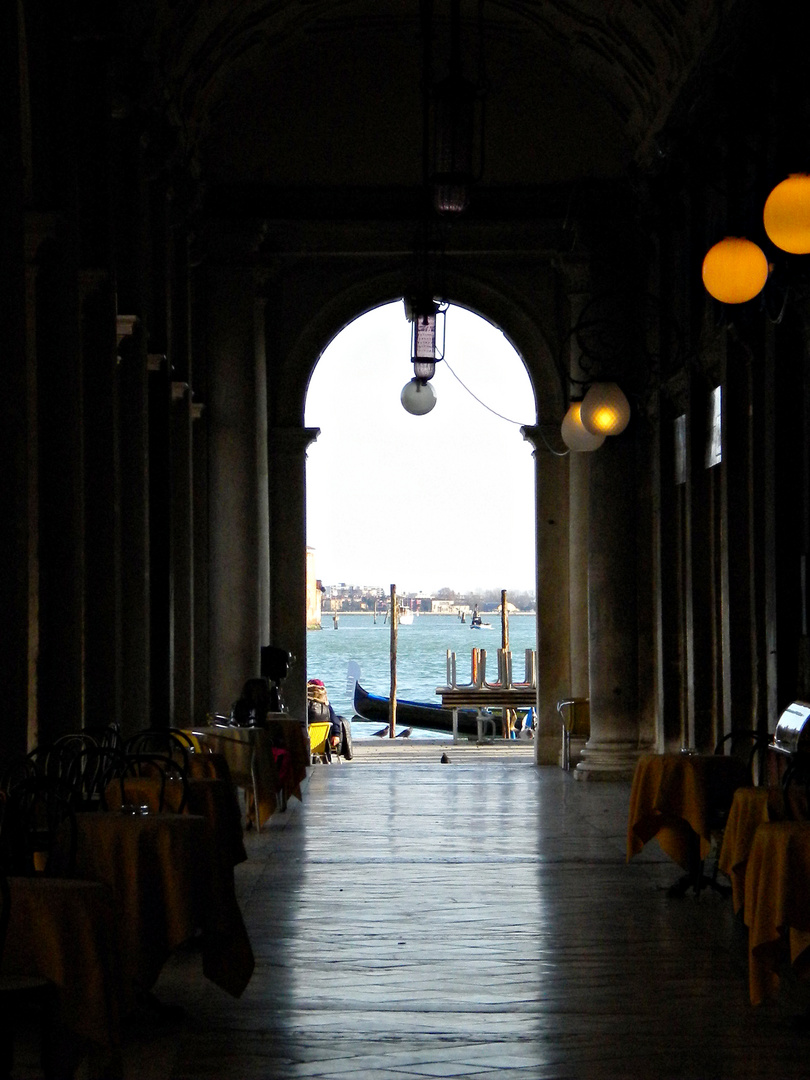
<point>421,656</point>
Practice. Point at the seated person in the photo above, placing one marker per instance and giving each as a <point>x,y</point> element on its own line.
<point>319,710</point>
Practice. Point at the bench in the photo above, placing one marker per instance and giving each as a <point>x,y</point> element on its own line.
<point>512,697</point>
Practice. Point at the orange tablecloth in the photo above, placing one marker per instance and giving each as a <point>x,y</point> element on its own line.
<point>66,931</point>
<point>166,887</point>
<point>249,754</point>
<point>750,808</point>
<point>777,904</point>
<point>673,799</point>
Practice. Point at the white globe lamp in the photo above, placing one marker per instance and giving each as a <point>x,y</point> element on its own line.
<point>417,397</point>
<point>574,433</point>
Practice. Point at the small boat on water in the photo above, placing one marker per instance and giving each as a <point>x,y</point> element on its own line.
<point>414,714</point>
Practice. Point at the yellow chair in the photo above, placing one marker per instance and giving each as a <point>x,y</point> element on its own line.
<point>319,738</point>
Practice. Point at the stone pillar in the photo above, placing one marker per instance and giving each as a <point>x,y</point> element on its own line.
<point>60,690</point>
<point>288,560</point>
<point>612,748</point>
<point>17,551</point>
<point>102,529</point>
<point>578,480</point>
<point>231,313</point>
<point>182,558</point>
<point>134,453</point>
<point>553,656</point>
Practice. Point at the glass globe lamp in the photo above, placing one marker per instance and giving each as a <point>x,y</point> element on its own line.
<point>605,409</point>
<point>574,433</point>
<point>735,270</point>
<point>417,397</point>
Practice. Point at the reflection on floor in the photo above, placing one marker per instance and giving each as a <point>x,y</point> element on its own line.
<point>470,919</point>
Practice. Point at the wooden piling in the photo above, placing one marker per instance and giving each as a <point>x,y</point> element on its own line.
<point>392,706</point>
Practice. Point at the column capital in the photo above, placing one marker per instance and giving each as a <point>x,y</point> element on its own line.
<point>292,442</point>
<point>544,437</point>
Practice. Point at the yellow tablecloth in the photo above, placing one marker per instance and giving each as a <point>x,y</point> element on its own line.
<point>673,799</point>
<point>777,904</point>
<point>750,808</point>
<point>249,754</point>
<point>210,797</point>
<point>66,931</point>
<point>166,887</point>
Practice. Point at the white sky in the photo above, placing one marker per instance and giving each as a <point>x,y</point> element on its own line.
<point>423,502</point>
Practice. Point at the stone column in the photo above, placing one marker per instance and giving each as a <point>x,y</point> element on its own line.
<point>288,560</point>
<point>182,558</point>
<point>553,655</point>
<point>134,533</point>
<point>578,480</point>
<point>17,477</point>
<point>612,748</point>
<point>234,449</point>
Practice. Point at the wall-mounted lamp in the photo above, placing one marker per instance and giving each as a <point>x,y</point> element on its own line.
<point>574,433</point>
<point>735,270</point>
<point>605,409</point>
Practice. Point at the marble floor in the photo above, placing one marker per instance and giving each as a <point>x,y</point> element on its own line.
<point>416,919</point>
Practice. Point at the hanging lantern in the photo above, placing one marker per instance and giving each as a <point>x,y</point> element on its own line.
<point>735,270</point>
<point>605,409</point>
<point>787,214</point>
<point>574,433</point>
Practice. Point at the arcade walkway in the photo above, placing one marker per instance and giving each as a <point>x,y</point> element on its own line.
<point>471,919</point>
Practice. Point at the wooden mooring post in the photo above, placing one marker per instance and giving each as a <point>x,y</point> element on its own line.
<point>508,716</point>
<point>392,705</point>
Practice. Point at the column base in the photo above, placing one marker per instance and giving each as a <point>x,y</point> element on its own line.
<point>547,750</point>
<point>610,761</point>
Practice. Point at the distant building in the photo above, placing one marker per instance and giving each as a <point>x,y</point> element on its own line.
<point>314,590</point>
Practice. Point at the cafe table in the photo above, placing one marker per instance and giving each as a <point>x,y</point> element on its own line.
<point>270,762</point>
<point>776,908</point>
<point>211,797</point>
<point>675,798</point>
<point>167,889</point>
<point>750,808</point>
<point>66,931</point>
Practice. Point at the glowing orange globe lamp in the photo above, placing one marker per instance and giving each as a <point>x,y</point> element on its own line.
<point>787,214</point>
<point>735,270</point>
<point>574,433</point>
<point>605,409</point>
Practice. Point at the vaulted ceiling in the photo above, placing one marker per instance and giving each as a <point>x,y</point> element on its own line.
<point>315,93</point>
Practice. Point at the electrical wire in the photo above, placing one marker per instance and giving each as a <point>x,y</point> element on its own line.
<point>517,423</point>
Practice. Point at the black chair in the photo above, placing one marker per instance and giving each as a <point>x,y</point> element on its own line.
<point>749,748</point>
<point>163,768</point>
<point>19,768</point>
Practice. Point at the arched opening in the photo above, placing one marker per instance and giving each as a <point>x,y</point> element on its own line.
<point>442,505</point>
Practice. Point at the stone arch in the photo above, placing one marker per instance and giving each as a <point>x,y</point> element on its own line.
<point>509,310</point>
<point>526,319</point>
